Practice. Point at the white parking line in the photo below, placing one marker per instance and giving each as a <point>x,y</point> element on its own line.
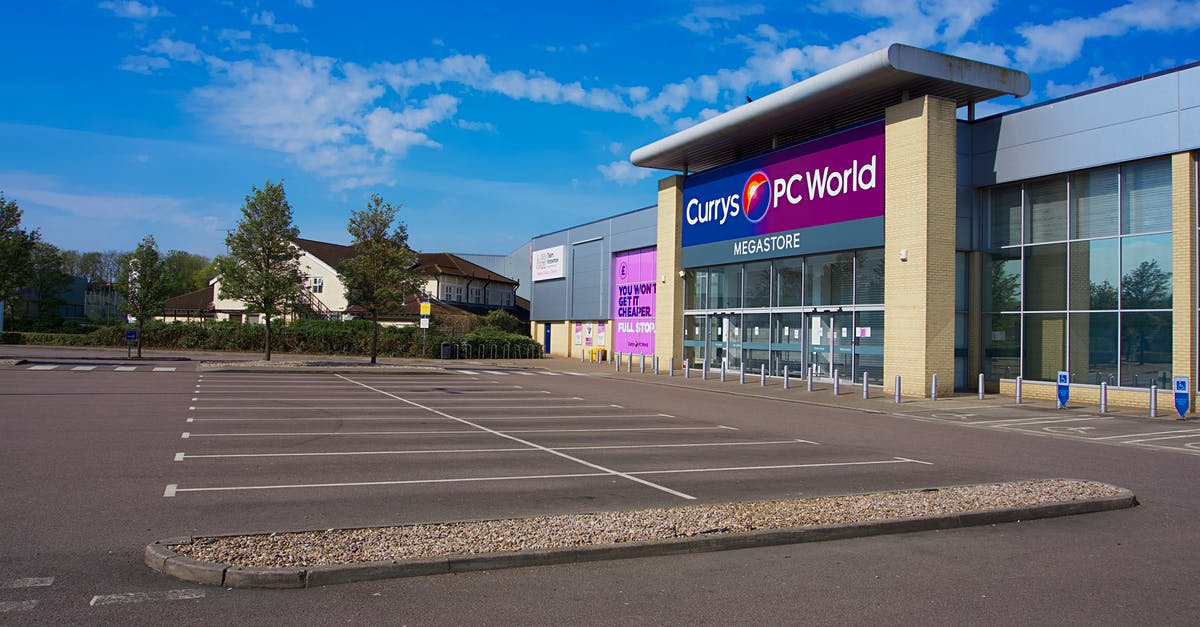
<point>27,582</point>
<point>142,597</point>
<point>552,374</point>
<point>525,374</point>
<point>84,368</point>
<point>17,606</point>
<point>183,456</point>
<point>165,369</point>
<point>1036,421</point>
<point>125,368</point>
<point>1164,437</point>
<point>894,460</point>
<point>411,418</point>
<point>471,372</point>
<point>528,443</point>
<point>1138,435</point>
<point>577,374</point>
<point>187,434</point>
<point>44,367</point>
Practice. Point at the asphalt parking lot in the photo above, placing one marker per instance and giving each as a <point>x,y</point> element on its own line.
<point>97,462</point>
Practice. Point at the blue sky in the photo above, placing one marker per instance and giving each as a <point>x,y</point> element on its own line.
<point>490,122</point>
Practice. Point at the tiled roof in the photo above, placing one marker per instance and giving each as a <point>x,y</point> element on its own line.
<point>453,265</point>
<point>199,300</point>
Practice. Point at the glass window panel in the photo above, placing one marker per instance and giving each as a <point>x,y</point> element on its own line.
<point>789,279</point>
<point>1004,216</point>
<point>869,276</point>
<point>695,294</point>
<point>1001,347</point>
<point>758,284</point>
<point>1095,274</point>
<point>868,346</point>
<point>1045,346</point>
<point>694,328</point>
<point>1146,272</point>
<point>1002,280</point>
<point>829,279</point>
<point>725,287</point>
<point>1094,348</point>
<point>1046,220</point>
<point>787,342</point>
<point>1146,349</point>
<point>1046,277</point>
<point>1094,204</point>
<point>961,278</point>
<point>1146,197</point>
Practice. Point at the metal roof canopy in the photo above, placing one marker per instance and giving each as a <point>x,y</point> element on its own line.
<point>848,94</point>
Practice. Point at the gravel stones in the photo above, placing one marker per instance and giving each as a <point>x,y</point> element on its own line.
<point>380,544</point>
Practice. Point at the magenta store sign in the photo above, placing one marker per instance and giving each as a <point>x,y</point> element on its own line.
<point>830,180</point>
<point>633,301</point>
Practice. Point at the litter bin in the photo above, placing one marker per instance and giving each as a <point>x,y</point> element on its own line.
<point>599,354</point>
<point>445,350</point>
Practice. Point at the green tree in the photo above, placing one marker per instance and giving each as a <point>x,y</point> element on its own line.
<point>46,281</point>
<point>1146,287</point>
<point>181,270</point>
<point>262,269</point>
<point>16,249</point>
<point>379,276</point>
<point>141,282</point>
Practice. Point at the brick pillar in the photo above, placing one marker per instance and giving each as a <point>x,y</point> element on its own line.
<point>668,320</point>
<point>1183,267</point>
<point>920,199</point>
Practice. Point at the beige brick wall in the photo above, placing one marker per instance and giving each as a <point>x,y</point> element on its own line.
<point>920,199</point>
<point>1183,267</point>
<point>668,321</point>
<point>561,337</point>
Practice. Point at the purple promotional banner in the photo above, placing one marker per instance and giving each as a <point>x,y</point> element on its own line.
<point>832,179</point>
<point>633,293</point>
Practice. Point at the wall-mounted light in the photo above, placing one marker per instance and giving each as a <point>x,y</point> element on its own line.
<point>663,278</point>
<point>903,254</point>
<point>682,273</point>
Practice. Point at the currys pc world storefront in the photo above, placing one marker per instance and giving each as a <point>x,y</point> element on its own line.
<point>864,221</point>
<point>783,258</point>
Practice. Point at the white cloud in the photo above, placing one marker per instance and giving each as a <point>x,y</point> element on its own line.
<point>233,36</point>
<point>143,64</point>
<point>616,148</point>
<point>1097,77</point>
<point>467,125</point>
<point>134,10</point>
<point>267,18</point>
<point>623,172</point>
<point>1060,43</point>
<point>109,207</point>
<point>704,18</point>
<point>308,4</point>
<point>175,50</point>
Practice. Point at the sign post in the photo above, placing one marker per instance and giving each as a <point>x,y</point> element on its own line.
<point>130,337</point>
<point>1064,388</point>
<point>1183,397</point>
<point>426,309</point>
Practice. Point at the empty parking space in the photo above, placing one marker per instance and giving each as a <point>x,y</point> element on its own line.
<point>479,435</point>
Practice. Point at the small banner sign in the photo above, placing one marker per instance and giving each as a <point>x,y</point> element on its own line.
<point>1064,388</point>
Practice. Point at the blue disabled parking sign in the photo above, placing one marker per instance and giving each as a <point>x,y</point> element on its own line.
<point>1183,397</point>
<point>1064,388</point>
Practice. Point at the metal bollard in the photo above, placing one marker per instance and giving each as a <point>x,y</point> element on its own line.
<point>785,377</point>
<point>897,389</point>
<point>866,386</point>
<point>981,386</point>
<point>933,388</point>
<point>723,363</point>
<point>1018,390</point>
<point>655,358</point>
<point>629,364</point>
<point>837,383</point>
<point>810,377</point>
<point>1153,401</point>
<point>704,371</point>
<point>762,375</point>
<point>617,362</point>
<point>642,367</point>
<point>687,372</point>
<point>671,366</point>
<point>1103,396</point>
<point>742,372</point>
<point>581,356</point>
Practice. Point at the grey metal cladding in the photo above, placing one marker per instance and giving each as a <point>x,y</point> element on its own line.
<point>587,278</point>
<point>865,233</point>
<point>1141,119</point>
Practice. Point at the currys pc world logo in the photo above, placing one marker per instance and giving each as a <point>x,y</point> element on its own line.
<point>833,179</point>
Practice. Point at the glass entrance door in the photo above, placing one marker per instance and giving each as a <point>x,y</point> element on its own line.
<point>821,345</point>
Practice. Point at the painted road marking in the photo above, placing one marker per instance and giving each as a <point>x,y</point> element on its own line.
<point>1138,435</point>
<point>182,456</point>
<point>525,374</point>
<point>125,368</point>
<point>84,368</point>
<point>1165,437</point>
<point>472,372</point>
<point>577,460</point>
<point>27,582</point>
<point>577,374</point>
<point>165,369</point>
<point>44,367</point>
<point>552,374</point>
<point>419,418</point>
<point>142,597</point>
<point>187,435</point>
<point>173,489</point>
<point>17,606</point>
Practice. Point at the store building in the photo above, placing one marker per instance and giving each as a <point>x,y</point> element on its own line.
<point>863,220</point>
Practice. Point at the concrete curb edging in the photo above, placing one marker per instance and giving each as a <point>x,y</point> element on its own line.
<point>160,557</point>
